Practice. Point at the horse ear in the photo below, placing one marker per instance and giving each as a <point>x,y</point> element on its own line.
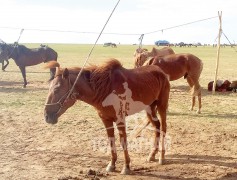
<point>153,51</point>
<point>65,73</point>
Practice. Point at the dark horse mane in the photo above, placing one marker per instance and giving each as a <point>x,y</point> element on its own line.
<point>100,76</point>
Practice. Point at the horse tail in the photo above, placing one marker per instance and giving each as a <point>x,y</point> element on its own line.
<point>51,64</point>
<point>51,54</point>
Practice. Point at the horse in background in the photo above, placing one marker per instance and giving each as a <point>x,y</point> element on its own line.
<point>116,93</point>
<point>142,55</point>
<point>24,56</point>
<point>182,65</point>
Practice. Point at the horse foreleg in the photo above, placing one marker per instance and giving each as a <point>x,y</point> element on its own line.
<point>3,65</point>
<point>23,72</point>
<point>123,141</point>
<point>151,115</point>
<point>110,132</point>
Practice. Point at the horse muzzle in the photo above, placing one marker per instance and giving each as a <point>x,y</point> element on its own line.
<point>51,118</point>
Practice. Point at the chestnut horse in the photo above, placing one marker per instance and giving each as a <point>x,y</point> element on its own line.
<point>115,92</point>
<point>24,56</point>
<point>141,55</point>
<point>182,65</point>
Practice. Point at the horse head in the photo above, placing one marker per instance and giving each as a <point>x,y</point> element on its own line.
<point>140,59</point>
<point>43,45</point>
<point>59,97</point>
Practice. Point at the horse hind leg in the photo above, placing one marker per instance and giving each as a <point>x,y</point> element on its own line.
<point>162,110</point>
<point>160,129</point>
<point>23,72</point>
<point>192,90</point>
<point>199,102</point>
<point>123,141</point>
<point>52,73</point>
<point>192,103</point>
<point>196,91</point>
<point>152,118</point>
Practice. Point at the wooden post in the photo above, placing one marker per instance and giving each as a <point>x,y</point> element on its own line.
<point>218,51</point>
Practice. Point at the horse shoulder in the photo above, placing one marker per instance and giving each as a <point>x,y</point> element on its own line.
<point>118,77</point>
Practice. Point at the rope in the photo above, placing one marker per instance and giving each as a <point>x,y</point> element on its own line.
<point>180,25</point>
<point>126,34</point>
<point>20,35</point>
<point>16,43</point>
<point>77,32</point>
<point>87,58</point>
<point>229,42</point>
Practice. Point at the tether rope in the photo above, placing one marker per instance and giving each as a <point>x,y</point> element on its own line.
<point>229,42</point>
<point>180,25</point>
<point>126,34</point>
<point>87,58</point>
<point>16,43</point>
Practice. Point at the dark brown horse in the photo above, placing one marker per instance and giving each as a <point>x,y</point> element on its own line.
<point>115,92</point>
<point>24,56</point>
<point>182,65</point>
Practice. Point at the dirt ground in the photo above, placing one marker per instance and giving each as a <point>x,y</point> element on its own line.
<point>198,146</point>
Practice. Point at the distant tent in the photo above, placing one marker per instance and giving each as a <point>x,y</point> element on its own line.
<point>162,43</point>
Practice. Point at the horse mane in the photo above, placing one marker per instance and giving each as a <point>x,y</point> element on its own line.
<point>22,48</point>
<point>100,76</point>
<point>100,79</point>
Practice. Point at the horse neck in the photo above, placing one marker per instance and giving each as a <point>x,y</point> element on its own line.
<point>83,90</point>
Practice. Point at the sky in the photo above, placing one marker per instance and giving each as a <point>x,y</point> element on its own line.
<point>80,21</point>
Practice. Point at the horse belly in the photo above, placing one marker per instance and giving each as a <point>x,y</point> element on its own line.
<point>174,73</point>
<point>124,104</point>
<point>31,62</point>
<point>134,107</point>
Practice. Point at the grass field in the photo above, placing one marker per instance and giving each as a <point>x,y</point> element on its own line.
<point>202,146</point>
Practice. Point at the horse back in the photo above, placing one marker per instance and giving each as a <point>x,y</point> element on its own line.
<point>146,82</point>
<point>176,66</point>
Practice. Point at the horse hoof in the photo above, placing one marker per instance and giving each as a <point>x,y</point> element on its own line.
<point>110,168</point>
<point>198,112</point>
<point>161,161</point>
<point>125,171</point>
